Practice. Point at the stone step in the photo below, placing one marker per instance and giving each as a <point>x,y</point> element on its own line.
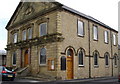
<point>23,71</point>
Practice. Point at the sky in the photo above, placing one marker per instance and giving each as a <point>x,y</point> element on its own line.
<point>105,11</point>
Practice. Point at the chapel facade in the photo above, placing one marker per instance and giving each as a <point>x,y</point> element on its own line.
<point>52,39</point>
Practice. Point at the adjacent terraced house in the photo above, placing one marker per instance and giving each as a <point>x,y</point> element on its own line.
<point>52,39</point>
<point>2,57</point>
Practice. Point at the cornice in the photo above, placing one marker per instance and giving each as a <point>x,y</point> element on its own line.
<point>50,38</point>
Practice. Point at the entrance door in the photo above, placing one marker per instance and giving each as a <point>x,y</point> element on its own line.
<point>26,58</point>
<point>69,64</point>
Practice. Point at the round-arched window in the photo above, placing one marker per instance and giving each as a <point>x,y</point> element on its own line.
<point>14,58</point>
<point>43,56</point>
<point>63,63</point>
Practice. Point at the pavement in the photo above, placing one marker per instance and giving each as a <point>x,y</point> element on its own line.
<point>92,79</point>
<point>73,80</point>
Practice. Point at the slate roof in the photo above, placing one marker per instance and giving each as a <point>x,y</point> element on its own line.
<point>72,11</point>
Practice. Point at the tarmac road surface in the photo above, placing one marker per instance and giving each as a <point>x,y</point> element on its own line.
<point>30,81</point>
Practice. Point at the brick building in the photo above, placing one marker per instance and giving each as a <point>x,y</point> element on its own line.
<point>52,39</point>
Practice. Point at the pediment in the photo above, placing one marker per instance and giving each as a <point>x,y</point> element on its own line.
<point>27,10</point>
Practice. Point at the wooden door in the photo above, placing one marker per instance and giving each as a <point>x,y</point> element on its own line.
<point>26,58</point>
<point>70,65</point>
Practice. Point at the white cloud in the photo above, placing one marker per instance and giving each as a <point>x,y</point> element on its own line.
<point>7,7</point>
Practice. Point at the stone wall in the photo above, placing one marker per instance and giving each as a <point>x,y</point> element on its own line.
<point>67,25</point>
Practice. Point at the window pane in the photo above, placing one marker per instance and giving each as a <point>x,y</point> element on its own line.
<point>80,58</point>
<point>15,38</point>
<point>43,29</point>
<point>24,35</point>
<point>43,56</point>
<point>95,59</point>
<point>95,32</point>
<point>106,59</point>
<point>42,59</point>
<point>106,37</point>
<point>114,39</point>
<point>69,53</point>
<point>80,28</point>
<point>63,63</point>
<point>43,51</point>
<point>29,33</point>
<point>115,60</point>
<point>14,58</point>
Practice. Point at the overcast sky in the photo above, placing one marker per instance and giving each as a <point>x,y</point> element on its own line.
<point>105,11</point>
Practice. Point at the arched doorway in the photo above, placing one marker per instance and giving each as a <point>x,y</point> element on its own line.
<point>26,58</point>
<point>70,64</point>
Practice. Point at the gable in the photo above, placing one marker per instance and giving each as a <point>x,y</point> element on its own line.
<point>27,10</point>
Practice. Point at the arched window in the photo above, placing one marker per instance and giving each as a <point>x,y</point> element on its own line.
<point>14,58</point>
<point>96,54</point>
<point>81,57</point>
<point>63,63</point>
<point>43,56</point>
<point>115,60</point>
<point>69,52</point>
<point>106,59</point>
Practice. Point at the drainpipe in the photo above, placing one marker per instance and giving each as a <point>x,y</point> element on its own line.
<point>89,49</point>
<point>111,51</point>
<point>55,61</point>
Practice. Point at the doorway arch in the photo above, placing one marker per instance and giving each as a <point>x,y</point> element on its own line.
<point>70,64</point>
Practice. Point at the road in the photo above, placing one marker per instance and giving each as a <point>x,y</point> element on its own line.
<point>21,81</point>
<point>27,81</point>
